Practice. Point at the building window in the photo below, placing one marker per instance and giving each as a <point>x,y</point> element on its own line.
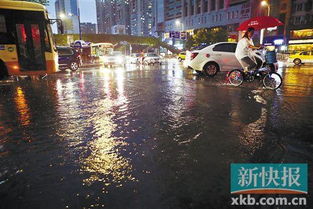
<point>299,7</point>
<point>283,6</point>
<point>198,6</point>
<point>221,4</point>
<point>213,5</point>
<point>205,6</point>
<point>297,20</point>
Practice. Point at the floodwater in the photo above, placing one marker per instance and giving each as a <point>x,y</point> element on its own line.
<point>150,137</point>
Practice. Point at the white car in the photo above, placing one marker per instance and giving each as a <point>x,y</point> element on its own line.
<point>214,58</point>
<point>116,58</point>
<point>152,58</point>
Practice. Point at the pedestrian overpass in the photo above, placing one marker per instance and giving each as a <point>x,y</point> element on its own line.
<point>66,39</point>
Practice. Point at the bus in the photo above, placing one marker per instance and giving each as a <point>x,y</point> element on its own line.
<point>99,50</point>
<point>26,42</point>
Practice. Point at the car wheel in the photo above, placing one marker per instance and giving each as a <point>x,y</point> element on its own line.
<point>297,61</point>
<point>210,69</point>
<point>74,66</point>
<point>180,59</point>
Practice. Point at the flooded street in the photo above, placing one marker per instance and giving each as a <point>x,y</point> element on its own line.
<point>145,137</point>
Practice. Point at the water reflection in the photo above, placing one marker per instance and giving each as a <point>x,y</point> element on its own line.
<point>104,163</point>
<point>22,107</point>
<point>298,81</point>
<point>91,125</point>
<point>148,138</point>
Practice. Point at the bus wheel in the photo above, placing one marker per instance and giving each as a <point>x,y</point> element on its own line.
<point>3,71</point>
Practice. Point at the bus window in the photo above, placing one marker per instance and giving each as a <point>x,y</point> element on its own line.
<point>5,36</point>
<point>3,27</point>
<point>47,40</point>
<point>37,46</point>
<point>30,47</point>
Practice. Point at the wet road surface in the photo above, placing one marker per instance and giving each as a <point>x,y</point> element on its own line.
<point>150,137</point>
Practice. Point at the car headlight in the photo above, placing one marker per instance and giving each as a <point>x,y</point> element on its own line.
<point>103,59</point>
<point>119,59</point>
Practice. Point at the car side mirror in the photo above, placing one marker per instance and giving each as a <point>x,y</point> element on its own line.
<point>59,24</point>
<point>61,28</point>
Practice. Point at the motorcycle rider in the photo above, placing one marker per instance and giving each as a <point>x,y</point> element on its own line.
<point>244,51</point>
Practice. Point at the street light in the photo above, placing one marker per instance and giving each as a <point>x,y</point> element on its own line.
<point>79,27</point>
<point>64,16</point>
<point>179,23</point>
<point>264,4</point>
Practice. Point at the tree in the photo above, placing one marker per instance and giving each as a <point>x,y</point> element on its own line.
<point>206,36</point>
<point>44,2</point>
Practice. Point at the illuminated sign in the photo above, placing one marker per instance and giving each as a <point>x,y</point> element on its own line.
<point>301,41</point>
<point>278,41</point>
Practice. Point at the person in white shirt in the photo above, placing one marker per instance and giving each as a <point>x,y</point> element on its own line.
<point>244,51</point>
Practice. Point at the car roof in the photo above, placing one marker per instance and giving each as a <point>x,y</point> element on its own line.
<point>213,45</point>
<point>222,43</point>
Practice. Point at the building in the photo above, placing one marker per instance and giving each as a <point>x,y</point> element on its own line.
<point>141,17</point>
<point>297,31</point>
<point>112,15</point>
<point>158,17</point>
<point>172,9</point>
<point>88,28</point>
<point>68,11</point>
<point>209,13</point>
<point>300,27</point>
<point>189,15</point>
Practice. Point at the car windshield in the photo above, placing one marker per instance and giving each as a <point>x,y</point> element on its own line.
<point>65,51</point>
<point>152,55</point>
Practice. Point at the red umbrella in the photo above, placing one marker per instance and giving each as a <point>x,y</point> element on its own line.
<point>259,23</point>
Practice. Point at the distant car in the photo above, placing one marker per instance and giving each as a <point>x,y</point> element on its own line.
<point>301,58</point>
<point>152,58</point>
<point>181,56</point>
<point>80,43</point>
<point>214,58</point>
<point>69,58</point>
<point>116,58</point>
<point>133,58</point>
